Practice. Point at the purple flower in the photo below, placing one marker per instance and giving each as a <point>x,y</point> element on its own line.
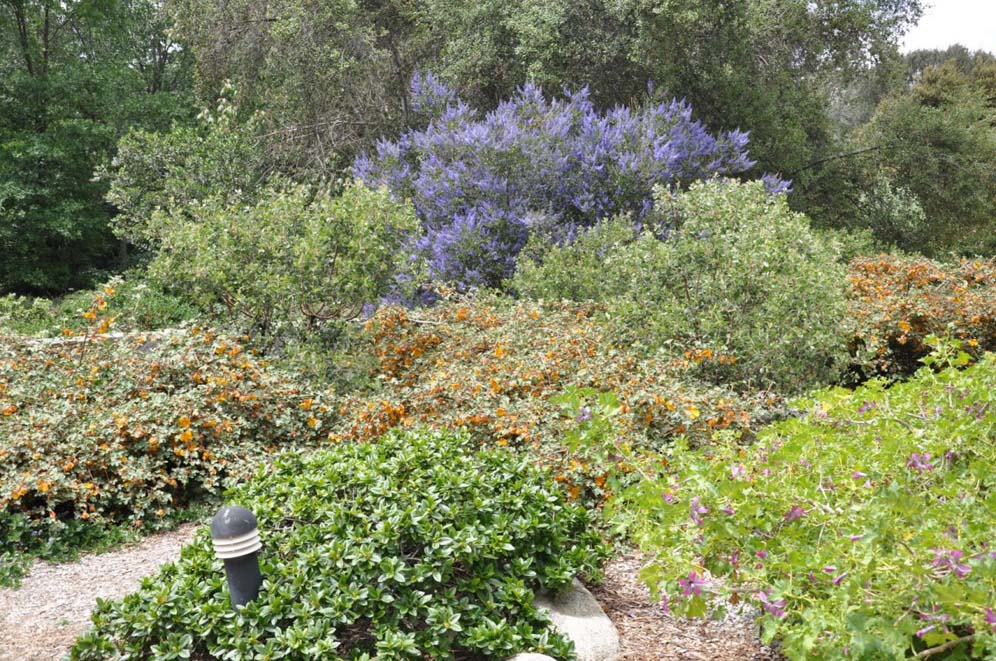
<point>837,579</point>
<point>728,510</point>
<point>665,606</point>
<point>829,569</point>
<point>697,510</point>
<point>737,472</point>
<point>950,561</point>
<point>795,513</point>
<point>924,631</point>
<point>691,585</point>
<point>668,497</point>
<point>920,462</point>
<point>991,618</point>
<point>775,607</point>
<point>584,414</point>
<point>482,183</point>
<point>865,407</point>
<point>855,538</point>
<point>804,463</point>
<point>762,554</point>
<point>858,475</point>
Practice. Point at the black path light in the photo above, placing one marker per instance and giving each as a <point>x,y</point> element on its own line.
<point>236,541</point>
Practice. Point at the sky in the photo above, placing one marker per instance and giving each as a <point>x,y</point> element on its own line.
<point>971,23</point>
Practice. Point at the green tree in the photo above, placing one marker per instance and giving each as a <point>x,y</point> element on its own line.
<point>938,141</point>
<point>73,75</point>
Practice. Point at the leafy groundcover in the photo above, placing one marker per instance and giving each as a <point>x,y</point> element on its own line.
<point>863,529</point>
<point>414,545</point>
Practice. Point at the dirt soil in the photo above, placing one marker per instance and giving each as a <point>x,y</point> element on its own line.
<point>648,634</point>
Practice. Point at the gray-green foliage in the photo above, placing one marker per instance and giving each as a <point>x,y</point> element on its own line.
<point>294,262</point>
<point>738,273</point>
<point>894,215</point>
<point>413,546</point>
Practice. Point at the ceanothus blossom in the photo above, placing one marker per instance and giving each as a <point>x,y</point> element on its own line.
<point>482,184</point>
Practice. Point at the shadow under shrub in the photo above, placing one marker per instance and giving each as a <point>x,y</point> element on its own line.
<point>415,545</point>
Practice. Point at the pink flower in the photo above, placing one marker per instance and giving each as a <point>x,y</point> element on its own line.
<point>691,585</point>
<point>991,618</point>
<point>697,510</point>
<point>919,462</point>
<point>776,607</point>
<point>795,513</point>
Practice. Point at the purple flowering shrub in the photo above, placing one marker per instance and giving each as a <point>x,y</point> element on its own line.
<point>481,184</point>
<point>861,529</point>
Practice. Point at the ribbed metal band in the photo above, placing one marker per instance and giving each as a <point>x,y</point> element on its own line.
<point>236,547</point>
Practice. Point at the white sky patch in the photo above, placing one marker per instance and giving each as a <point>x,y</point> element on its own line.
<point>971,23</point>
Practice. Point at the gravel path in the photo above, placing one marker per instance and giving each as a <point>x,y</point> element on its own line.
<point>42,618</point>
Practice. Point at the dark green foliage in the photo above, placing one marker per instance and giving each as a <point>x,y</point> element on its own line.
<point>72,76</point>
<point>936,142</point>
<point>413,545</point>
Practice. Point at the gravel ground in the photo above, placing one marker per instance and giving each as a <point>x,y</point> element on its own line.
<point>42,618</point>
<point>648,634</point>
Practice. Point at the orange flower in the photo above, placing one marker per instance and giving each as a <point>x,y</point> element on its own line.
<point>183,422</point>
<point>186,436</point>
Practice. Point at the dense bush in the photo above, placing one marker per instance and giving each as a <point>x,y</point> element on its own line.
<point>137,304</point>
<point>171,171</point>
<point>737,274</point>
<point>96,431</point>
<point>295,261</point>
<point>413,546</point>
<point>481,185</point>
<point>496,367</point>
<point>896,302</point>
<point>862,529</point>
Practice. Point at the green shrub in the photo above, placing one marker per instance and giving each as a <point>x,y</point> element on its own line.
<point>137,304</point>
<point>862,529</point>
<point>294,263</point>
<point>495,368</point>
<point>411,546</point>
<point>96,433</point>
<point>738,273</point>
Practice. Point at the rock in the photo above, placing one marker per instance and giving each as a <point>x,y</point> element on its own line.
<point>577,615</point>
